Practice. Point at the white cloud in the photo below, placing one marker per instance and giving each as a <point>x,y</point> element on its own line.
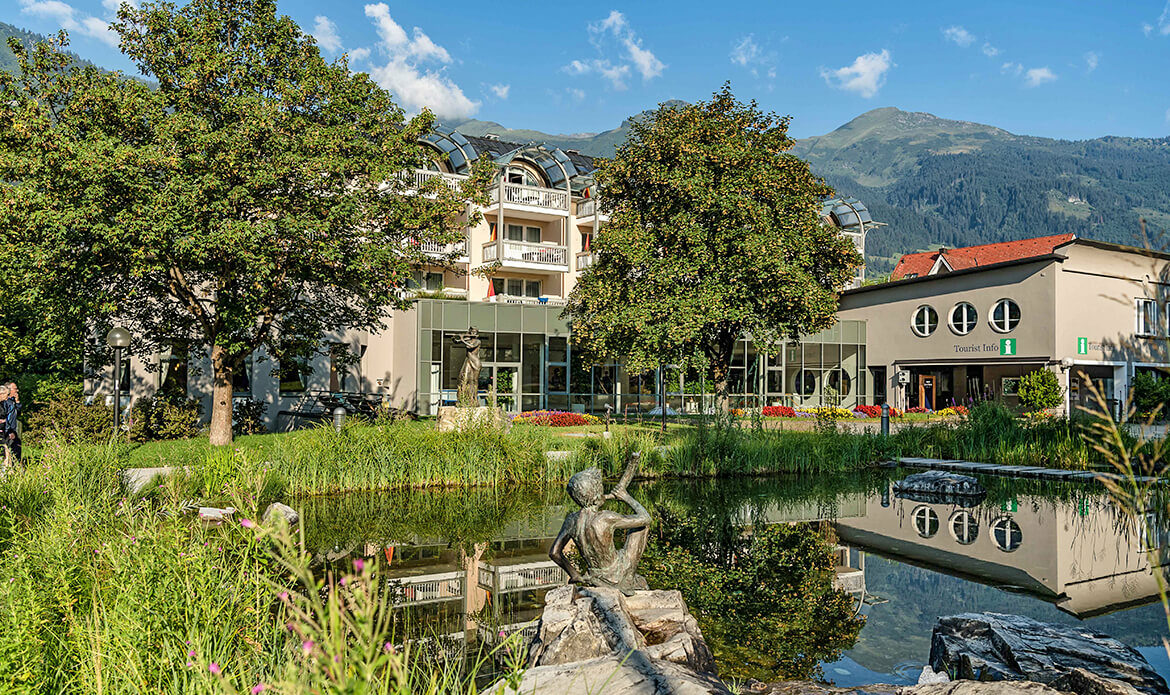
<point>989,50</point>
<point>404,73</point>
<point>1010,68</point>
<point>1038,76</point>
<point>958,35</point>
<point>1092,59</point>
<point>747,53</point>
<point>325,32</point>
<point>577,94</point>
<point>1168,115</point>
<point>71,20</point>
<point>500,90</point>
<point>616,74</point>
<point>359,54</point>
<point>606,35</point>
<point>1147,28</point>
<point>1164,20</point>
<point>112,6</point>
<point>865,76</point>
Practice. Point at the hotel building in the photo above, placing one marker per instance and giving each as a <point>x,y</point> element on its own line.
<point>536,234</point>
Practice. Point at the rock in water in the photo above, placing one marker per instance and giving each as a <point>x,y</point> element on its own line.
<point>994,646</point>
<point>276,510</point>
<point>940,487</point>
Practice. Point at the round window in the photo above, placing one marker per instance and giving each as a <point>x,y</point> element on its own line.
<point>840,382</point>
<point>805,382</point>
<point>925,521</point>
<point>963,318</point>
<point>964,527</point>
<point>925,321</point>
<point>1005,316</point>
<point>1006,535</point>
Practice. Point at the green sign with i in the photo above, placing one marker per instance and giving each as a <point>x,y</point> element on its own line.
<point>1082,346</point>
<point>1007,347</point>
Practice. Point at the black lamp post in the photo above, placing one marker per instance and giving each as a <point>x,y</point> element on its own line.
<point>119,339</point>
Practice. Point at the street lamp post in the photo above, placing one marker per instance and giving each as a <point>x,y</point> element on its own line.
<point>119,339</point>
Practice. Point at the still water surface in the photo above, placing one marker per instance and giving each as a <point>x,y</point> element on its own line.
<point>473,565</point>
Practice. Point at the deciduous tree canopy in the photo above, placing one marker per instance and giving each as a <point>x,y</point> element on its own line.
<point>254,194</point>
<point>714,233</point>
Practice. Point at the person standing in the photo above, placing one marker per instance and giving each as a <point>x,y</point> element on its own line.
<point>10,423</point>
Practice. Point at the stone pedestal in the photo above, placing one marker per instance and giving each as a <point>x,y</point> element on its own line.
<point>593,640</point>
<point>453,418</point>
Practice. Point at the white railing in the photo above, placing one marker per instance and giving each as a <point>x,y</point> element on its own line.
<point>588,208</point>
<point>421,176</point>
<point>585,259</point>
<point>436,248</point>
<point>517,194</point>
<point>506,250</point>
<point>532,575</point>
<point>527,631</point>
<point>428,588</point>
<point>517,299</point>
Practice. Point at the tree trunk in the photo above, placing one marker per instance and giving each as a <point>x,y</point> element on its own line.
<point>719,357</point>
<point>719,374</point>
<point>221,397</point>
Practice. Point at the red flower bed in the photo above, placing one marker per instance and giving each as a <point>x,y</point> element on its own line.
<point>869,410</point>
<point>554,418</point>
<point>918,409</point>
<point>777,411</point>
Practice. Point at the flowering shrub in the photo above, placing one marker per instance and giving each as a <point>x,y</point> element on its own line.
<point>952,411</point>
<point>834,413</point>
<point>738,412</point>
<point>554,418</point>
<point>868,411</point>
<point>919,409</point>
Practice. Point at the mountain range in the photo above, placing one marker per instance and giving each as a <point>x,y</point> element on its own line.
<point>938,182</point>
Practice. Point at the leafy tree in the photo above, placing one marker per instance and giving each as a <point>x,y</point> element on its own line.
<point>1040,390</point>
<point>714,233</point>
<point>254,196</point>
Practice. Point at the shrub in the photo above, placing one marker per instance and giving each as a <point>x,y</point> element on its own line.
<point>70,420</point>
<point>1149,392</point>
<point>1040,390</point>
<point>248,416</point>
<point>153,419</point>
<point>918,410</point>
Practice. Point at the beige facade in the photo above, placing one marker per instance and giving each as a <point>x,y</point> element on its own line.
<point>952,337</point>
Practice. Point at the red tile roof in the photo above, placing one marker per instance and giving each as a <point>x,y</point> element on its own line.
<point>920,264</point>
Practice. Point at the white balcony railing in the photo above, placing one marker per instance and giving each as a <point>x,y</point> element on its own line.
<point>516,194</point>
<point>518,299</point>
<point>586,209</point>
<point>585,259</point>
<point>421,176</point>
<point>531,575</point>
<point>506,250</point>
<point>428,588</point>
<point>435,248</point>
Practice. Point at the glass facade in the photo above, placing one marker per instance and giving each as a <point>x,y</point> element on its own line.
<point>528,364</point>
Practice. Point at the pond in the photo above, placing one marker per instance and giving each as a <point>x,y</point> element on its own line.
<point>470,567</point>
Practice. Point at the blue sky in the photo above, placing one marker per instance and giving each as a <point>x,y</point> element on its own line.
<point>1055,68</point>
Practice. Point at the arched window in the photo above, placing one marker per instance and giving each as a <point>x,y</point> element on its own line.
<point>1006,535</point>
<point>1005,316</point>
<point>925,321</point>
<point>805,382</point>
<point>840,382</point>
<point>925,521</point>
<point>963,318</point>
<point>964,527</point>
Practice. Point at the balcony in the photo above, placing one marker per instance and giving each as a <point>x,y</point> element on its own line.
<point>503,579</point>
<point>420,176</point>
<point>427,588</point>
<point>517,299</point>
<point>585,259</point>
<point>589,213</point>
<point>456,251</point>
<point>534,202</point>
<point>521,255</point>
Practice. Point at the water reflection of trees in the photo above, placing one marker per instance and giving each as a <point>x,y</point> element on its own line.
<point>763,595</point>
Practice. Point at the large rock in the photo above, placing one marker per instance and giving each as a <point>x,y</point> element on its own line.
<point>596,640</point>
<point>453,418</point>
<point>994,646</point>
<point>276,510</point>
<point>975,688</point>
<point>940,487</point>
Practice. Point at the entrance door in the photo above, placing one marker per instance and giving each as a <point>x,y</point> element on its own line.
<point>505,378</point>
<point>926,386</point>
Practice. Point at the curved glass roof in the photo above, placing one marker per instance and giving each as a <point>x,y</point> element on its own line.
<point>459,152</point>
<point>846,212</point>
<point>556,164</point>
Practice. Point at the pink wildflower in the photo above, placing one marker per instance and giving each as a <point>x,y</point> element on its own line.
<point>214,668</point>
<point>247,523</point>
<point>359,564</point>
<point>307,645</point>
<point>257,689</point>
